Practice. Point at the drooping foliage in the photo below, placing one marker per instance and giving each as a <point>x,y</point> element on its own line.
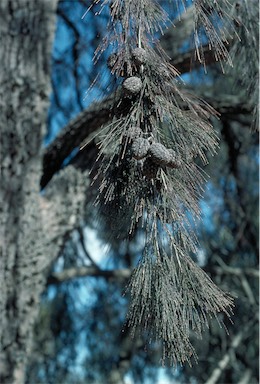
<point>147,173</point>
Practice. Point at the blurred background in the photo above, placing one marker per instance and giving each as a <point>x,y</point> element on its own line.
<point>78,337</point>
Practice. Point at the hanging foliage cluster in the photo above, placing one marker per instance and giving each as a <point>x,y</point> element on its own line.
<point>147,176</point>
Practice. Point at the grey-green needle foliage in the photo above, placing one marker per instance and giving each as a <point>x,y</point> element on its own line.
<point>148,177</point>
<point>246,55</point>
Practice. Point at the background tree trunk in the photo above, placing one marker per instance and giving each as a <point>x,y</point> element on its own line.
<point>27,29</point>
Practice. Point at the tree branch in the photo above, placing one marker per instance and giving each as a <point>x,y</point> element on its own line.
<point>188,60</point>
<point>223,363</point>
<point>71,273</point>
<point>246,377</point>
<point>73,135</point>
<point>91,119</point>
<point>237,271</point>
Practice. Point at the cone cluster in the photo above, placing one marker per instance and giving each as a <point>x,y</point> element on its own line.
<point>148,176</point>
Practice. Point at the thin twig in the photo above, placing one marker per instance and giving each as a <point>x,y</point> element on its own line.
<point>223,363</point>
<point>237,271</point>
<point>72,273</point>
<point>245,379</point>
<point>82,243</point>
<point>224,268</point>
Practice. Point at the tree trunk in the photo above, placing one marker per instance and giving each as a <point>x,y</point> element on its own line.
<point>27,28</point>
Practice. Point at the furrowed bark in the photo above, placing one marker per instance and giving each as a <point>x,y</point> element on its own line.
<point>27,29</point>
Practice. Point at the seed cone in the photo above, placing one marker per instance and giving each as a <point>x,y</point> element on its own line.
<point>132,85</point>
<point>160,154</point>
<point>139,56</point>
<point>134,133</point>
<point>140,148</point>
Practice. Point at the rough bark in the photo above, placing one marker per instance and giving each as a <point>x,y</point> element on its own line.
<point>33,225</point>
